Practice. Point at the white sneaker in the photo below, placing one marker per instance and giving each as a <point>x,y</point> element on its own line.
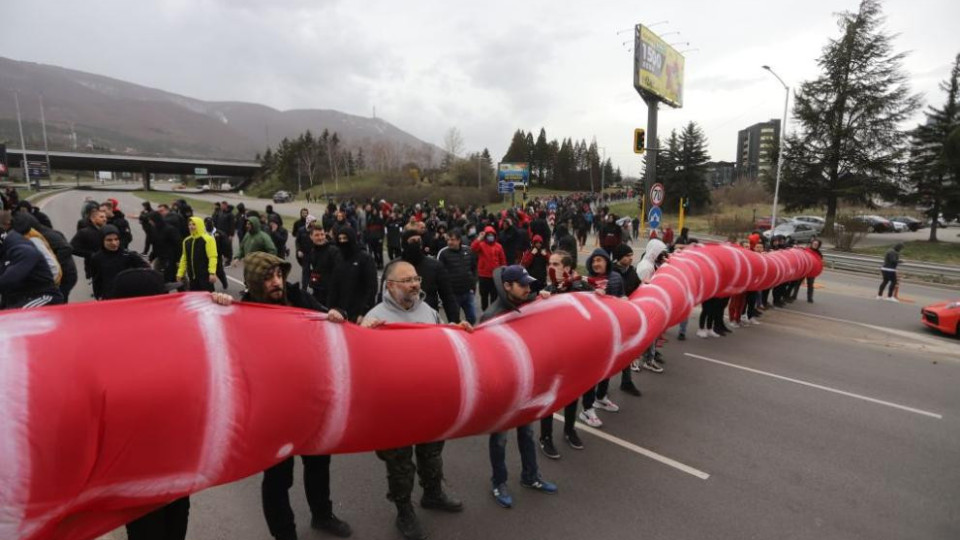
<point>606,405</point>
<point>880,297</point>
<point>892,299</point>
<point>753,321</point>
<point>702,333</point>
<point>635,365</point>
<point>711,333</point>
<point>589,417</point>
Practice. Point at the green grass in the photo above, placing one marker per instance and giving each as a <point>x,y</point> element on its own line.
<point>200,207</point>
<point>920,250</point>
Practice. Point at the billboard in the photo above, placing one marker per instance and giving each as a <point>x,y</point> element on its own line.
<point>514,172</point>
<point>657,68</point>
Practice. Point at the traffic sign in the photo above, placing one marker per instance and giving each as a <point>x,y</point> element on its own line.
<point>200,171</point>
<point>504,187</point>
<point>654,217</point>
<point>656,194</point>
<point>38,169</point>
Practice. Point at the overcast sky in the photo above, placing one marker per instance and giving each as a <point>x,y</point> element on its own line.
<point>487,67</point>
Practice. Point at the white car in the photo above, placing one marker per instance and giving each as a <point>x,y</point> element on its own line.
<point>899,226</point>
<point>817,221</point>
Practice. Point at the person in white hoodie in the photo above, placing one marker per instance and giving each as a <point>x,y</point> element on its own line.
<point>653,257</point>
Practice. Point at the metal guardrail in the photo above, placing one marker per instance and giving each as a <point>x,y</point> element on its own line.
<point>862,263</point>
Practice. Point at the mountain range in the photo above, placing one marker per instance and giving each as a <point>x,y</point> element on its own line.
<point>89,112</point>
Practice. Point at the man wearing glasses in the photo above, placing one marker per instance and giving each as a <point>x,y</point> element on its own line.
<point>403,303</point>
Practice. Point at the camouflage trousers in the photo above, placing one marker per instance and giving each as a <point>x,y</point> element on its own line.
<point>401,469</point>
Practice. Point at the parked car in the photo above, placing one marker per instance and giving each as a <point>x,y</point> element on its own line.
<point>912,224</point>
<point>816,222</point>
<point>943,316</point>
<point>875,223</point>
<point>282,197</point>
<point>763,224</point>
<point>899,226</point>
<point>794,230</point>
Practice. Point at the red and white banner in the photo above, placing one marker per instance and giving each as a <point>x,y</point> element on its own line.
<point>111,409</point>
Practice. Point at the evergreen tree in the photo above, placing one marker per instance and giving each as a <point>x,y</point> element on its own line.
<point>847,146</point>
<point>541,157</point>
<point>361,163</point>
<point>931,181</point>
<point>518,150</point>
<point>687,155</point>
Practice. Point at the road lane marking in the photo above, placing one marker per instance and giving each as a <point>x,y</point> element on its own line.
<point>903,333</point>
<point>237,281</point>
<point>819,387</point>
<point>640,450</point>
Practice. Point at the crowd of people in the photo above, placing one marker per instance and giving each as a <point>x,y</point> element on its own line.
<point>439,259</point>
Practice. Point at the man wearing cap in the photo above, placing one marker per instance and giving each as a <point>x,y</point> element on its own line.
<point>266,278</point>
<point>513,290</point>
<point>403,301</point>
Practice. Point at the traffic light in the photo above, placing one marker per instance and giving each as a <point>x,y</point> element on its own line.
<point>639,141</point>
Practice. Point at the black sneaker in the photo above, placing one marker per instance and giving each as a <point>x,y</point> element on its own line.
<point>658,356</point>
<point>630,389</point>
<point>682,337</point>
<point>573,440</point>
<point>441,501</point>
<point>333,525</point>
<point>549,450</point>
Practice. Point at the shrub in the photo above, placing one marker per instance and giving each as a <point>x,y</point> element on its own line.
<point>848,232</point>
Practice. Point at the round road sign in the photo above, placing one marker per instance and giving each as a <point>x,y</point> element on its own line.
<point>654,217</point>
<point>656,194</point>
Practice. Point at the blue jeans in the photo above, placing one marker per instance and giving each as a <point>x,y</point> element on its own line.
<point>528,455</point>
<point>466,303</point>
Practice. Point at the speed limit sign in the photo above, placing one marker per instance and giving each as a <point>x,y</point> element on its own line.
<point>656,194</point>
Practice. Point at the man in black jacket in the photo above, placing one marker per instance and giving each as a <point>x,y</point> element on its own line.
<point>266,276</point>
<point>27,208</point>
<point>374,234</point>
<point>112,259</point>
<point>320,261</point>
<point>435,282</point>
<point>119,220</point>
<point>87,241</point>
<point>353,288</point>
<point>167,246</point>
<point>23,222</point>
<point>461,266</point>
<point>226,224</point>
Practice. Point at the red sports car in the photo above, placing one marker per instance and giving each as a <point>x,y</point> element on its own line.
<point>944,317</point>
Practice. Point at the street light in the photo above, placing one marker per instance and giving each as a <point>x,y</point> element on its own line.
<point>783,135</point>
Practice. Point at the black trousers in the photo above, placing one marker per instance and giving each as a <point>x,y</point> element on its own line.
<point>394,252</point>
<point>889,276</point>
<point>488,292</point>
<point>376,249</point>
<point>67,283</point>
<point>275,489</point>
<point>810,281</point>
<point>569,421</point>
<point>167,523</point>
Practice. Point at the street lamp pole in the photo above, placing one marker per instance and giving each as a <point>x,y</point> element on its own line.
<point>780,157</point>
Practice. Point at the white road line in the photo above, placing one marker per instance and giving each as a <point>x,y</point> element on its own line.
<point>237,281</point>
<point>905,333</point>
<point>819,387</point>
<point>640,450</point>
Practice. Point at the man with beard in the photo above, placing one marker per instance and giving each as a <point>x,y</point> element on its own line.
<point>266,279</point>
<point>403,303</point>
<point>435,280</point>
<point>353,287</point>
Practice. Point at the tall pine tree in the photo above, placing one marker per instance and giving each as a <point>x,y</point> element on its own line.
<point>848,146</point>
<point>931,180</point>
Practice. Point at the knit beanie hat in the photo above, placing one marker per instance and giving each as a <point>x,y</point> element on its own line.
<point>621,251</point>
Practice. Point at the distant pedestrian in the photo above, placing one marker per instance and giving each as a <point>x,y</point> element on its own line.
<point>889,272</point>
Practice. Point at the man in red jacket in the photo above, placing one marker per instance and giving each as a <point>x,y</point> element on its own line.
<point>490,255</point>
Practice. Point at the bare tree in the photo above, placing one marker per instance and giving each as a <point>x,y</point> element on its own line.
<point>453,142</point>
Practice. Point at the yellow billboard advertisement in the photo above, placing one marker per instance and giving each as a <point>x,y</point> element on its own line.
<point>657,68</point>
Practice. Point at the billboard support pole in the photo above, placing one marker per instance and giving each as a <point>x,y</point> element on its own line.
<point>650,176</point>
<point>23,145</point>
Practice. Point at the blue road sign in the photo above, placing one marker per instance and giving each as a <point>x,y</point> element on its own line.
<point>504,187</point>
<point>654,217</point>
<point>552,206</point>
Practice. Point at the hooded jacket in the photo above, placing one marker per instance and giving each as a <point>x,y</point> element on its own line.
<point>320,263</point>
<point>613,285</point>
<point>256,240</point>
<point>256,269</point>
<point>105,265</point>
<point>502,304</point>
<point>489,256</point>
<point>199,257</point>
<point>23,222</point>
<point>536,265</point>
<point>24,272</point>
<point>86,242</point>
<point>353,287</point>
<point>566,242</point>
<point>648,265</point>
<point>390,311</point>
<point>165,238</point>
<point>461,267</point>
<point>892,258</point>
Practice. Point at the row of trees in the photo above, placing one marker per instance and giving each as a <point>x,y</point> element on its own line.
<point>849,146</point>
<point>682,167</point>
<point>566,164</point>
<point>307,161</point>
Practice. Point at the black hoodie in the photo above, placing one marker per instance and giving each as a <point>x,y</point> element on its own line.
<point>23,222</point>
<point>105,265</point>
<point>165,238</point>
<point>353,288</point>
<point>24,272</point>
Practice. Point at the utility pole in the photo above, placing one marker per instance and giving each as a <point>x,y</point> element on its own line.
<point>603,172</point>
<point>46,149</point>
<point>478,170</point>
<point>23,145</point>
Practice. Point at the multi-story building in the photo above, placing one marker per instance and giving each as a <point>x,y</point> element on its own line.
<point>756,148</point>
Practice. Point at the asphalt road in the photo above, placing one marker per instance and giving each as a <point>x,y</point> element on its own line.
<point>837,419</point>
